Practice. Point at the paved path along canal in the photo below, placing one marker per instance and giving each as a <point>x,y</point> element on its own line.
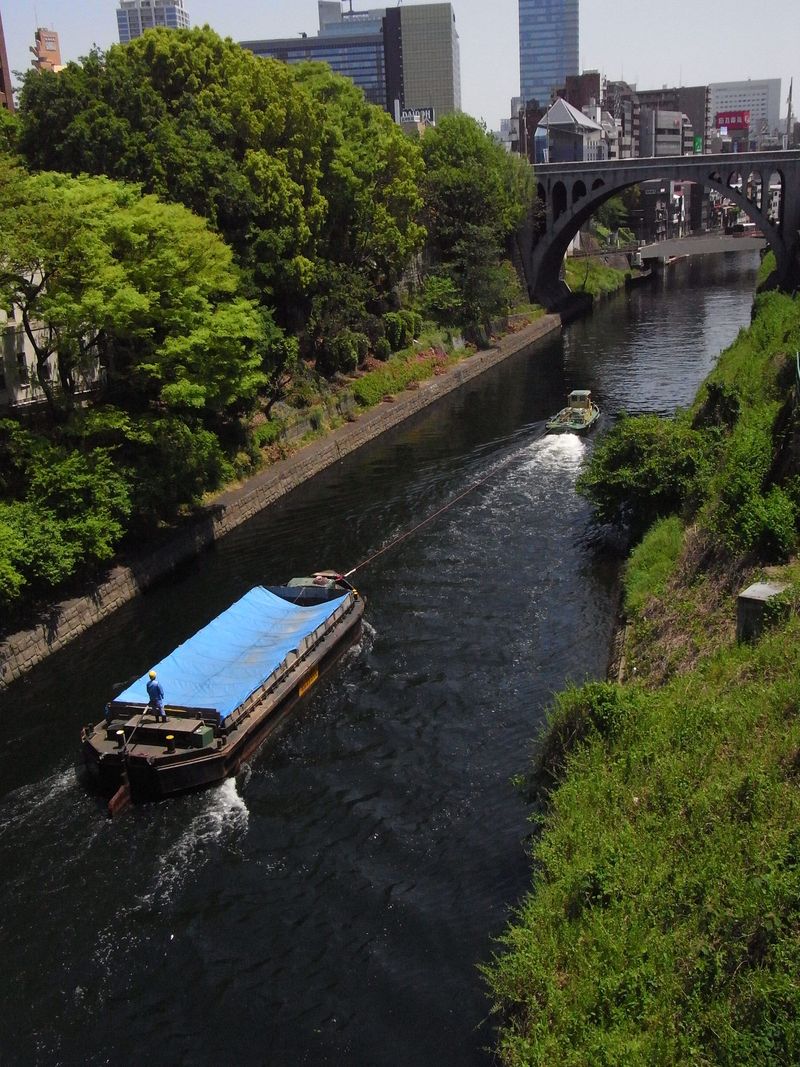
<point>331,905</point>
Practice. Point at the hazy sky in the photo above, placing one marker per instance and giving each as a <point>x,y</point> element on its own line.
<point>688,42</point>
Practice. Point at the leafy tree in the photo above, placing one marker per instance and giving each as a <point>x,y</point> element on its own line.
<point>197,120</point>
<point>612,214</point>
<point>9,130</point>
<point>98,271</point>
<point>73,512</point>
<point>475,196</point>
<point>370,178</point>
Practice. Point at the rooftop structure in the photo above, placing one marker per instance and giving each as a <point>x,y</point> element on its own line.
<point>46,50</point>
<point>566,135</point>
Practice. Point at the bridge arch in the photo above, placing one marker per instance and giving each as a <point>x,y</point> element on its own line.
<point>593,184</point>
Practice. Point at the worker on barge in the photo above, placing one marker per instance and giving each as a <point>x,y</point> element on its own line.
<point>156,694</point>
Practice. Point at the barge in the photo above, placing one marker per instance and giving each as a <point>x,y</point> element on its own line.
<point>226,688</point>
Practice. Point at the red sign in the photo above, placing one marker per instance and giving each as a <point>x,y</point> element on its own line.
<point>734,120</point>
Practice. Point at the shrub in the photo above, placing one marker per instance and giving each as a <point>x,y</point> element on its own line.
<point>374,328</point>
<point>413,324</point>
<point>441,299</point>
<point>267,433</point>
<point>362,345</point>
<point>749,515</point>
<point>596,709</point>
<point>382,349</point>
<point>644,468</point>
<point>397,330</point>
<point>721,406</point>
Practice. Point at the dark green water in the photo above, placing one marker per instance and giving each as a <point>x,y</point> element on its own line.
<point>331,905</point>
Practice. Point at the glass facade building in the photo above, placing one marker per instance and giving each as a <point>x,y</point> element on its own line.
<point>359,57</point>
<point>402,57</point>
<point>548,46</point>
<point>136,16</point>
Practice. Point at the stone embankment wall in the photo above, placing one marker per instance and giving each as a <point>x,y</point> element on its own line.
<point>21,651</point>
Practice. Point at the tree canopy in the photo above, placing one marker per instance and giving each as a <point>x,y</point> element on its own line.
<point>98,271</point>
<point>475,195</point>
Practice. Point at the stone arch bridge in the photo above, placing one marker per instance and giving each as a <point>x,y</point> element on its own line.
<point>572,192</point>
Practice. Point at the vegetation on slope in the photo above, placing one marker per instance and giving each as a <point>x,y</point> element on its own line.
<point>588,275</point>
<point>663,923</point>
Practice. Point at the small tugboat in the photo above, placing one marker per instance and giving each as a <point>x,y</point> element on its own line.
<point>226,688</point>
<point>578,416</point>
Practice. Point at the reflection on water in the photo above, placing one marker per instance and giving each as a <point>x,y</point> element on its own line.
<point>330,904</point>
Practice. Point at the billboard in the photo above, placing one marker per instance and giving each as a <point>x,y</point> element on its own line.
<point>417,114</point>
<point>732,120</point>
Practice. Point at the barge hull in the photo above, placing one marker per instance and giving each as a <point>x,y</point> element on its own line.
<point>155,773</point>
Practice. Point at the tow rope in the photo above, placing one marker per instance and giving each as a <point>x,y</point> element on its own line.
<point>430,518</point>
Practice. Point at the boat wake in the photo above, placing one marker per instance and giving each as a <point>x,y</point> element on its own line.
<point>564,451</point>
<point>30,801</point>
<point>222,819</point>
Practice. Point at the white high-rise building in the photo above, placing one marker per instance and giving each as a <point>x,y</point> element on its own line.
<point>136,16</point>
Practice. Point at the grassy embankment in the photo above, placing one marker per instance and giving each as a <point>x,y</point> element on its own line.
<point>589,275</point>
<point>663,926</point>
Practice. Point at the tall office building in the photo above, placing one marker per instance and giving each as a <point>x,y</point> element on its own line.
<point>548,46</point>
<point>406,59</point>
<point>6,93</point>
<point>46,50</point>
<point>136,16</point>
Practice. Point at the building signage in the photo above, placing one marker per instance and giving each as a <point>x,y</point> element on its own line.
<point>417,114</point>
<point>733,120</point>
<point>698,145</point>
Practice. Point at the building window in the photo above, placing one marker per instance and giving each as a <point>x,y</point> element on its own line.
<point>22,368</point>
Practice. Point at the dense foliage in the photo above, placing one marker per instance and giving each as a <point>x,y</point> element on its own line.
<point>188,232</point>
<point>316,191</point>
<point>100,276</point>
<point>662,927</point>
<point>475,196</point>
<point>645,467</point>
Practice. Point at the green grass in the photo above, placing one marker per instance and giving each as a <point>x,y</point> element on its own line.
<point>396,375</point>
<point>591,276</point>
<point>663,926</point>
<point>652,562</point>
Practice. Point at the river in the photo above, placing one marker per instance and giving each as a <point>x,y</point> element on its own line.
<point>331,905</point>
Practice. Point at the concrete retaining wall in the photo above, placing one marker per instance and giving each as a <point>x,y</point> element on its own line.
<point>21,651</point>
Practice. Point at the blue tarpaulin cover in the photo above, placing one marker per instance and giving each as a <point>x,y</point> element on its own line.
<point>221,665</point>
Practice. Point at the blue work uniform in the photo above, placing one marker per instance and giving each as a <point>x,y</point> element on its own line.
<point>156,694</point>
